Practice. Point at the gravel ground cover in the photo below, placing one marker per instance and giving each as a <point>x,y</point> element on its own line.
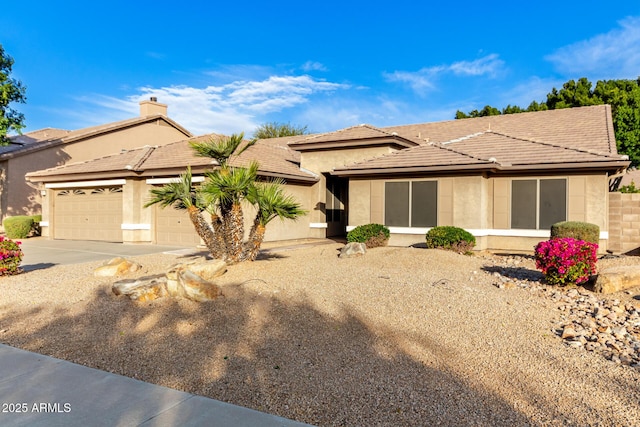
<point>400,336</point>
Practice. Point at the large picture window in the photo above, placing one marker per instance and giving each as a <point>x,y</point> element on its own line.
<point>411,203</point>
<point>537,204</point>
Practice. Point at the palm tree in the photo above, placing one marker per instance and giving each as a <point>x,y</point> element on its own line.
<point>181,194</point>
<point>272,203</point>
<point>222,195</point>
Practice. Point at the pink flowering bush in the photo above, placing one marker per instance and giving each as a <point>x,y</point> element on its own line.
<point>10,257</point>
<point>566,261</point>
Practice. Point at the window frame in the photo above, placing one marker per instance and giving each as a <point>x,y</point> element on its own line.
<point>409,207</point>
<point>537,200</point>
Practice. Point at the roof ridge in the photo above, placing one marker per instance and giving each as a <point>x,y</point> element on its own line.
<point>144,155</point>
<point>550,144</point>
<point>462,153</point>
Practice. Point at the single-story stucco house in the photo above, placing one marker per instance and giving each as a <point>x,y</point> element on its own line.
<point>51,147</point>
<point>505,179</point>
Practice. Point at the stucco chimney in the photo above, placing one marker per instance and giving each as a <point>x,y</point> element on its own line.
<point>152,107</point>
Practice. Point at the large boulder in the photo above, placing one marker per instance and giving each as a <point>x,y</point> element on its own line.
<point>143,289</point>
<point>352,249</point>
<point>615,279</point>
<point>116,267</point>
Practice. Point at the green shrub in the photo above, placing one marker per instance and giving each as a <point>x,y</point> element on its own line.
<point>631,188</point>
<point>17,227</point>
<point>577,230</point>
<point>450,238</point>
<point>35,228</point>
<point>372,235</point>
<point>10,257</point>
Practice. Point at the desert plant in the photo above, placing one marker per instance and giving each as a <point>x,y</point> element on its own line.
<point>226,189</point>
<point>35,228</point>
<point>17,227</point>
<point>451,238</point>
<point>631,188</point>
<point>566,261</point>
<point>372,235</point>
<point>577,230</point>
<point>10,257</point>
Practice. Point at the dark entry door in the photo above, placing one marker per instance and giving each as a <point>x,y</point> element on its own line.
<point>336,206</point>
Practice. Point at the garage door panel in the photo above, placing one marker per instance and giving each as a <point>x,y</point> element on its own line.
<point>88,214</point>
<point>173,227</point>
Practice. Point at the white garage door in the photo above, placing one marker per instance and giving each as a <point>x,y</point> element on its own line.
<point>173,227</point>
<point>88,214</point>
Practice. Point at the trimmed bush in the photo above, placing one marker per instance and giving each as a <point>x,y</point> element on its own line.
<point>10,257</point>
<point>450,238</point>
<point>372,235</point>
<point>17,227</point>
<point>577,230</point>
<point>566,261</point>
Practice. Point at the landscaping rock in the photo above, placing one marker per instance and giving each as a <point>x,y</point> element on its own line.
<point>352,249</point>
<point>208,270</point>
<point>196,288</point>
<point>617,279</point>
<point>116,267</point>
<point>142,289</point>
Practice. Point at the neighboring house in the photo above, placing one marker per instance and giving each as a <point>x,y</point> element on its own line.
<point>505,178</point>
<point>49,147</point>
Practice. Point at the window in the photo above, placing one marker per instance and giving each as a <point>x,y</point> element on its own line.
<point>411,203</point>
<point>537,204</point>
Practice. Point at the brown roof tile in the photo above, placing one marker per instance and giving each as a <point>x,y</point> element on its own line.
<point>64,137</point>
<point>588,128</point>
<point>172,158</point>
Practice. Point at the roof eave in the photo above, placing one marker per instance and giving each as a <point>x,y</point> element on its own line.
<point>393,141</point>
<point>413,169</point>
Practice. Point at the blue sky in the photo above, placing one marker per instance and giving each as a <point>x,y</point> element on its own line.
<point>226,68</point>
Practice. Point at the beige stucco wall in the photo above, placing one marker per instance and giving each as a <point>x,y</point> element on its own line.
<point>326,161</point>
<point>484,204</point>
<point>22,198</point>
<point>135,194</point>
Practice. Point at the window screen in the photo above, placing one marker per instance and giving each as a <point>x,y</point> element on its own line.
<point>523,204</point>
<point>553,202</point>
<point>424,203</point>
<point>396,204</point>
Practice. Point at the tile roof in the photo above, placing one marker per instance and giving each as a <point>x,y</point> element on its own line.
<point>351,134</point>
<point>171,159</point>
<point>50,137</point>
<point>587,128</point>
<point>482,150</point>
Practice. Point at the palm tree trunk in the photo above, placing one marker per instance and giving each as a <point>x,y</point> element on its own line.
<point>252,246</point>
<point>204,231</point>
<point>235,232</point>
<point>218,235</point>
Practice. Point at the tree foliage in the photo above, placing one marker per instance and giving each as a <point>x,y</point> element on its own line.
<point>224,193</point>
<point>277,130</point>
<point>11,90</point>
<point>622,95</point>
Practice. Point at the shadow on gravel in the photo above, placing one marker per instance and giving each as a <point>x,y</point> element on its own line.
<point>38,266</point>
<point>518,273</point>
<point>283,357</point>
<point>250,350</point>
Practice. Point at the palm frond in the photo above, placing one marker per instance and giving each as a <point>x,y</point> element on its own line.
<point>272,202</point>
<point>179,194</point>
<point>219,149</point>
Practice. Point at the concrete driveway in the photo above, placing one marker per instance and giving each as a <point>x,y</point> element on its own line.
<point>40,252</point>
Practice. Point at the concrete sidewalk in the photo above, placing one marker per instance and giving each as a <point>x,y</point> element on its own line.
<point>37,390</point>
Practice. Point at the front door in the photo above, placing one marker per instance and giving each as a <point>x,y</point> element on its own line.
<point>336,206</point>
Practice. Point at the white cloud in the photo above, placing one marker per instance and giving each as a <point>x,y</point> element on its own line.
<point>236,106</point>
<point>425,79</point>
<point>612,55</point>
<point>313,66</point>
